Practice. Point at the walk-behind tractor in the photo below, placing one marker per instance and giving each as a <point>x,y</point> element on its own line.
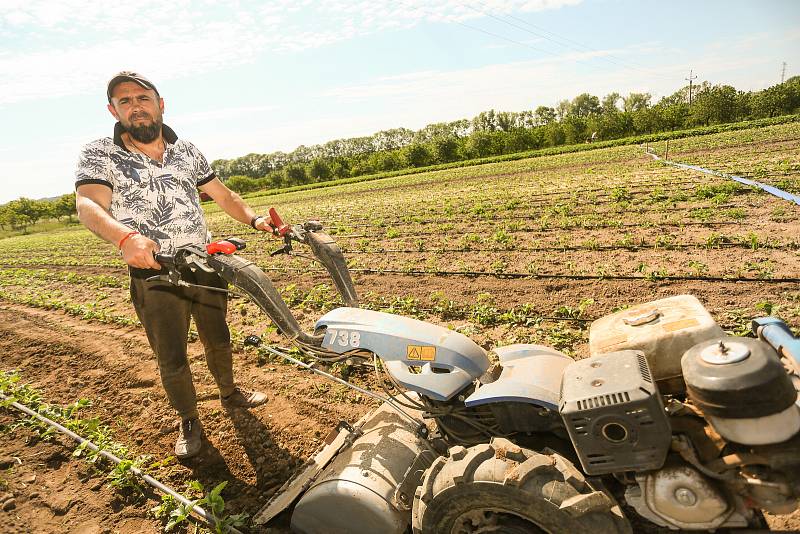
<point>687,426</point>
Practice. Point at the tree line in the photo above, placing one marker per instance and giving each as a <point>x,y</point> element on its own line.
<point>24,212</point>
<point>585,118</point>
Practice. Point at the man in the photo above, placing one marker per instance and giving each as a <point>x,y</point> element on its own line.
<point>139,191</point>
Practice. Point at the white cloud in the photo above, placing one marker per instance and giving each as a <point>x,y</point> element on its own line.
<point>78,43</point>
<point>219,114</point>
<point>489,81</point>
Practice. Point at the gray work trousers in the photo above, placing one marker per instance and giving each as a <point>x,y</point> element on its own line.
<point>165,311</point>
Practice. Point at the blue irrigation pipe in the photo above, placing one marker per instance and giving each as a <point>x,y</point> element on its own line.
<point>772,190</point>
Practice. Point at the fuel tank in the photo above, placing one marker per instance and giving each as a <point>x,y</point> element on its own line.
<point>663,330</point>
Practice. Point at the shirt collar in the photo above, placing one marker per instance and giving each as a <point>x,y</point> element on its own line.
<point>167,133</point>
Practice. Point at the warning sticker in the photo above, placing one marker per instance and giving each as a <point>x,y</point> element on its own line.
<point>420,352</point>
<point>680,325</point>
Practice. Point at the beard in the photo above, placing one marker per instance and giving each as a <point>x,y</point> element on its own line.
<point>146,132</point>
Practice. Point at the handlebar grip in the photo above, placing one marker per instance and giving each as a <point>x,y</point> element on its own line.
<point>165,260</point>
<point>280,227</point>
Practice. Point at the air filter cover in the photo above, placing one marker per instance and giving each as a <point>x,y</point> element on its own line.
<point>614,414</point>
<point>737,378</point>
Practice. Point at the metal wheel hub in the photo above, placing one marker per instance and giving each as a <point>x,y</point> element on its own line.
<point>491,521</point>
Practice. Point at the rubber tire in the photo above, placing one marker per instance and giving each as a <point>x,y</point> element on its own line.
<point>545,489</point>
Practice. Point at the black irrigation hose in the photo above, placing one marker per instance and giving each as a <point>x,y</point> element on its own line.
<point>627,248</point>
<point>536,214</point>
<point>531,230</point>
<point>528,200</point>
<point>539,230</point>
<point>475,274</point>
<point>206,517</point>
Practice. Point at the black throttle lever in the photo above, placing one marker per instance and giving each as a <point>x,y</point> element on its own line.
<point>285,249</point>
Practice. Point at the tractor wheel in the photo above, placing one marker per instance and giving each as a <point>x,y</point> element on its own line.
<point>503,488</point>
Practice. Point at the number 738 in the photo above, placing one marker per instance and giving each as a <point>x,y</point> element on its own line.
<point>344,338</point>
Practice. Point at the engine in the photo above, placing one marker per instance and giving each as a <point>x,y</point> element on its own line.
<point>614,414</point>
<point>707,451</point>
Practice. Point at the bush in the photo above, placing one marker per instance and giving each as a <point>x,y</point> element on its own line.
<point>320,170</point>
<point>418,155</point>
<point>295,174</point>
<point>242,184</point>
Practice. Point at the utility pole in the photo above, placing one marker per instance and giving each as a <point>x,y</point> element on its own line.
<point>783,72</point>
<point>690,79</point>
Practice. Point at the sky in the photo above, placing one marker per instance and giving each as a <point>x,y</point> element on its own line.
<point>243,76</point>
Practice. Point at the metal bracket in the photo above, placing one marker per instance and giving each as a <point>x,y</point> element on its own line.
<point>404,494</point>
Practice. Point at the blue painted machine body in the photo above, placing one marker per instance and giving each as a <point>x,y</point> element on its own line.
<point>438,363</point>
<point>530,374</point>
<point>429,359</point>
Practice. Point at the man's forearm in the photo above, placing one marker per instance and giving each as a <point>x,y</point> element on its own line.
<point>237,208</point>
<point>100,222</point>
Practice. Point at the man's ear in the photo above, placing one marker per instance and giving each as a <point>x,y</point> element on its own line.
<point>113,111</point>
<point>161,104</point>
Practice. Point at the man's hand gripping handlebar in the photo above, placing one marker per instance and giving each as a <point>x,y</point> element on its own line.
<point>295,232</point>
<point>194,257</point>
<point>325,250</point>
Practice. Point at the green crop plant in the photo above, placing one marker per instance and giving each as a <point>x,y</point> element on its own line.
<point>714,241</point>
<point>735,214</point>
<point>499,266</point>
<point>766,307</point>
<point>657,195</point>
<point>760,268</point>
<point>573,313</point>
<point>752,241</point>
<point>698,268</point>
<point>123,479</point>
<point>621,194</point>
<point>504,239</point>
<point>701,214</point>
<point>213,503</point>
<point>665,241</point>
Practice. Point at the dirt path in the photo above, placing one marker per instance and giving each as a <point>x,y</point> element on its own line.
<point>67,359</point>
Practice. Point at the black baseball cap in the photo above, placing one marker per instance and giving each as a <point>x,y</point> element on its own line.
<point>128,76</point>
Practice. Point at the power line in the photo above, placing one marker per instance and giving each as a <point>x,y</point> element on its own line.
<point>575,45</point>
<point>498,36</point>
<point>563,41</point>
<point>690,79</point>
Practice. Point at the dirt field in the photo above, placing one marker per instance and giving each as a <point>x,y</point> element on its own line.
<point>67,326</point>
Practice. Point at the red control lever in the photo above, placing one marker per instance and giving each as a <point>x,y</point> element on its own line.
<point>223,247</point>
<point>280,227</point>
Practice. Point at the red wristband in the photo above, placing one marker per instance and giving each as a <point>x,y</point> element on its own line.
<point>122,241</point>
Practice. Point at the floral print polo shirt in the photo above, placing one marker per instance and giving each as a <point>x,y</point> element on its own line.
<point>160,200</point>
